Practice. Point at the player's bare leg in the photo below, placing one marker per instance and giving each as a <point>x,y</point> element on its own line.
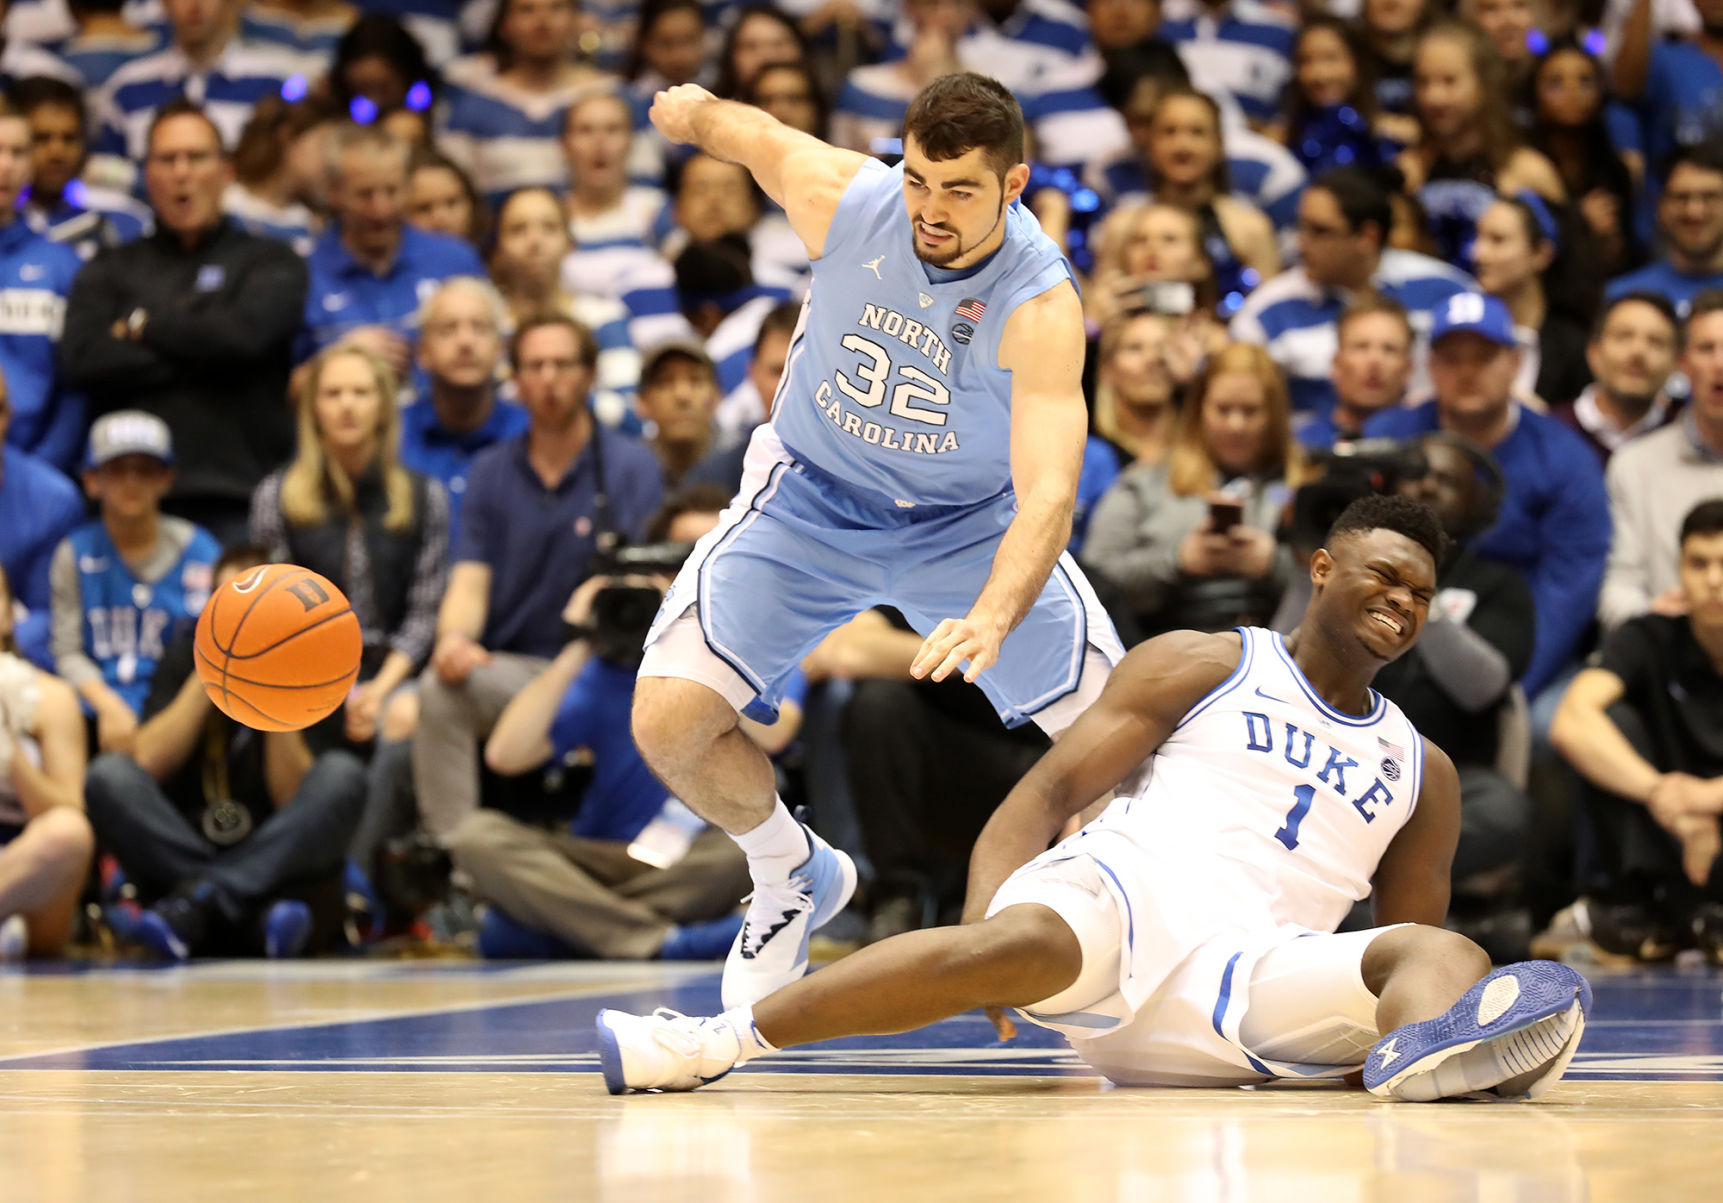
<point>691,737</point>
<point>1418,972</point>
<point>1023,954</point>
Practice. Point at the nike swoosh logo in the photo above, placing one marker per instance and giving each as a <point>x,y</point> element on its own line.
<point>1269,696</point>
<point>251,582</point>
<point>780,925</point>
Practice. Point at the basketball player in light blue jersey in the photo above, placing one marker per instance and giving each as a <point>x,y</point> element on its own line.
<point>923,453</point>
<point>1186,936</point>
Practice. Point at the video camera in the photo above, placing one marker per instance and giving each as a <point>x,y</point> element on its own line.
<point>1353,468</point>
<point>623,610</point>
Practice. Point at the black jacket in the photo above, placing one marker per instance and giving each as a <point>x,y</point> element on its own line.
<point>214,354</point>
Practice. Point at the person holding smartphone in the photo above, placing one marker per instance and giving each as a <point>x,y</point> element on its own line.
<point>1191,542</point>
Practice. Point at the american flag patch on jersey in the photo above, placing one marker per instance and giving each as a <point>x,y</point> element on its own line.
<point>1391,749</point>
<point>972,309</point>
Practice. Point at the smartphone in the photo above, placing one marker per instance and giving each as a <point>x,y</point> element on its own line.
<point>1169,298</point>
<point>1224,514</point>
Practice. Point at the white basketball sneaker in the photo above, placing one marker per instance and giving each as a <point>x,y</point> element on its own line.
<point>1511,1036</point>
<point>665,1050</point>
<point>771,950</point>
<point>14,939</point>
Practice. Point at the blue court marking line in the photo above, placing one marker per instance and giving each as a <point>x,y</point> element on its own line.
<point>1676,1035</point>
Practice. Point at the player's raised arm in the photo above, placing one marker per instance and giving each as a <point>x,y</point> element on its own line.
<point>1412,881</point>
<point>798,171</point>
<point>1042,347</point>
<point>1151,690</point>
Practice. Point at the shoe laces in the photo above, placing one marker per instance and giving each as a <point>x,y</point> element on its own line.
<point>768,905</point>
<point>680,1033</point>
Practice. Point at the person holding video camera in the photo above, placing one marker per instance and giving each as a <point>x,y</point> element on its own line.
<point>635,874</point>
<point>1190,543</point>
<point>537,509</point>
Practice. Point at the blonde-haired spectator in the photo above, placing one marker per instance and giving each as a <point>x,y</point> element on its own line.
<point>346,508</point>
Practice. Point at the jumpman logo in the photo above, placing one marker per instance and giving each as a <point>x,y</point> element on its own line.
<point>874,268</point>
<point>1389,1052</point>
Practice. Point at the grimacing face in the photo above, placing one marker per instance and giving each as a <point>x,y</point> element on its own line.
<point>956,206</point>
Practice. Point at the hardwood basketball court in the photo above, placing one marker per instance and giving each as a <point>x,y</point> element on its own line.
<point>422,1081</point>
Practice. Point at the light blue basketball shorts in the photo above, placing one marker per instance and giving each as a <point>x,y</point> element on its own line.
<point>796,556</point>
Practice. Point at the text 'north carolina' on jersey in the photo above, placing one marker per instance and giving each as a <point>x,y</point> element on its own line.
<point>893,384</point>
<point>1280,801</point>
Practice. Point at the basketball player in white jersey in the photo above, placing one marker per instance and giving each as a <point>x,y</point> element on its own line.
<point>1186,936</point>
<point>923,453</point>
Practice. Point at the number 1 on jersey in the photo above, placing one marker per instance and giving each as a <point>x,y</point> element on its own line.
<point>1288,835</point>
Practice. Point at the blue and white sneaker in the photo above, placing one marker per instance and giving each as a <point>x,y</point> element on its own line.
<point>771,950</point>
<point>1511,1036</point>
<point>665,1050</point>
<point>286,929</point>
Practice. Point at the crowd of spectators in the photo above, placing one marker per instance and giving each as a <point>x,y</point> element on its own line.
<point>410,292</point>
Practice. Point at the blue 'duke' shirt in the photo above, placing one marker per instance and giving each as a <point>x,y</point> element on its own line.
<point>893,385</point>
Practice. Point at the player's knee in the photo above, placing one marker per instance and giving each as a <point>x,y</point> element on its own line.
<point>675,721</point>
<point>63,837</point>
<point>1036,944</point>
<point>1424,947</point>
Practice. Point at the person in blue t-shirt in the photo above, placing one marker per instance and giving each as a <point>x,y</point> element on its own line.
<point>1690,220</point>
<point>1554,525</point>
<point>128,584</point>
<point>38,508</point>
<point>636,874</point>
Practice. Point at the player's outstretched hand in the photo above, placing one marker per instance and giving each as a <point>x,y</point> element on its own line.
<point>673,110</point>
<point>954,641</point>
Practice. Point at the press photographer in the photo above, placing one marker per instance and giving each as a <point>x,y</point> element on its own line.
<point>633,874</point>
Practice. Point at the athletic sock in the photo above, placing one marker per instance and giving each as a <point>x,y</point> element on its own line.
<point>749,1042</point>
<point>776,848</point>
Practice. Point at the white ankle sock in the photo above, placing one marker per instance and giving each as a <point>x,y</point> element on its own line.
<point>749,1042</point>
<point>776,848</point>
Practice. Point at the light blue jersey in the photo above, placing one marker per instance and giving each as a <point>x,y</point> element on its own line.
<point>893,386</point>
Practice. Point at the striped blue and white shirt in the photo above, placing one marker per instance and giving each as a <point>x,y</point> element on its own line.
<point>293,224</point>
<point>507,138</point>
<point>311,37</point>
<point>1295,320</point>
<point>1043,53</point>
<point>1242,47</point>
<point>95,57</point>
<point>88,219</point>
<point>1261,171</point>
<point>21,60</point>
<point>228,89</point>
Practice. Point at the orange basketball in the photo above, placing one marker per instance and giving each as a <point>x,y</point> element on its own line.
<point>278,648</point>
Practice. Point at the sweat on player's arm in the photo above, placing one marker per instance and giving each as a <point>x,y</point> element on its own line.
<point>801,174</point>
<point>1042,347</point>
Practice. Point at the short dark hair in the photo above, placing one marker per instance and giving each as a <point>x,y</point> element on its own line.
<point>1361,199</point>
<point>959,112</point>
<point>181,106</point>
<point>582,335</point>
<point>716,271</point>
<point>40,91</point>
<point>1705,156</point>
<point>1656,300</point>
<point>702,497</point>
<point>780,319</point>
<point>1706,518</point>
<point>1703,305</point>
<point>1402,515</point>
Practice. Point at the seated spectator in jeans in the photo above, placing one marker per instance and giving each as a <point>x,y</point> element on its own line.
<point>346,508</point>
<point>1656,479</point>
<point>238,836</point>
<point>636,874</point>
<point>38,508</point>
<point>459,414</point>
<point>928,762</point>
<point>129,583</point>
<point>531,524</point>
<point>1554,523</point>
<point>1190,542</point>
<point>1645,730</point>
<point>45,840</point>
